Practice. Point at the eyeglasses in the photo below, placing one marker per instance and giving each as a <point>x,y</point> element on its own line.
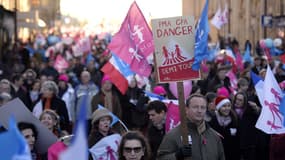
<point>135,149</point>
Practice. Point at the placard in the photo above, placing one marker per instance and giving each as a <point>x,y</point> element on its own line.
<point>174,40</point>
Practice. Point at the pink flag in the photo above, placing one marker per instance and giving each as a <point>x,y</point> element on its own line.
<point>60,64</point>
<point>172,117</point>
<point>233,80</point>
<point>134,42</point>
<point>239,60</point>
<point>84,44</point>
<point>267,54</point>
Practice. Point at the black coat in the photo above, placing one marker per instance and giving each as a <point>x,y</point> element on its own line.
<point>155,137</point>
<point>253,142</point>
<point>59,106</point>
<point>230,141</point>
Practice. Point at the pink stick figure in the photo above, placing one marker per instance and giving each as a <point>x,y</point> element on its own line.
<point>274,110</point>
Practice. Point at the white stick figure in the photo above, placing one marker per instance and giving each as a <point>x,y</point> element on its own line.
<point>135,53</point>
<point>138,32</point>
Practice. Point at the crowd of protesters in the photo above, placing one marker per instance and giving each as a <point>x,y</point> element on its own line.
<point>54,96</point>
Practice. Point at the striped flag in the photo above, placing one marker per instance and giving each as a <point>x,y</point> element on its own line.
<point>118,71</point>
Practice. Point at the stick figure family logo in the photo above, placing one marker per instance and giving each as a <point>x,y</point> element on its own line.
<point>110,153</point>
<point>172,57</point>
<point>137,33</point>
<point>274,109</point>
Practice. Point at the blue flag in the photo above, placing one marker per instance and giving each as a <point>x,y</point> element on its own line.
<point>13,145</point>
<point>275,51</point>
<point>212,52</point>
<point>255,78</point>
<point>78,149</point>
<point>201,38</point>
<point>246,56</point>
<point>154,96</point>
<point>282,108</point>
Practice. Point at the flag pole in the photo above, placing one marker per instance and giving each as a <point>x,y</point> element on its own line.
<point>183,121</point>
<point>125,127</point>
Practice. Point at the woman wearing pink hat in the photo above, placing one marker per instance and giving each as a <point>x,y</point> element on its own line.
<point>107,97</point>
<point>66,93</point>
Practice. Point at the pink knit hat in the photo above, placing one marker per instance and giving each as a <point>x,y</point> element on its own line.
<point>63,77</point>
<point>159,90</point>
<point>105,78</point>
<point>223,92</point>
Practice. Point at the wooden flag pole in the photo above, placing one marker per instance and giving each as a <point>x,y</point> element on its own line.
<point>183,121</point>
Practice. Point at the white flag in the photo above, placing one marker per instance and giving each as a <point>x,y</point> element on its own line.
<point>217,20</point>
<point>106,148</point>
<point>271,119</point>
<point>225,15</point>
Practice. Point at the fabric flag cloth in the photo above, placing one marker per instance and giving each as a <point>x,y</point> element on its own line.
<point>13,145</point>
<point>134,42</point>
<point>84,45</point>
<point>233,80</point>
<point>217,20</point>
<point>201,39</point>
<point>78,149</point>
<point>270,95</point>
<point>239,60</point>
<point>118,71</point>
<point>246,55</point>
<point>106,148</point>
<point>275,51</point>
<point>172,117</point>
<point>154,96</point>
<point>282,108</point>
<point>212,52</point>
<point>225,15</point>
<point>60,64</point>
<point>267,54</point>
<point>258,85</point>
<point>55,149</point>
